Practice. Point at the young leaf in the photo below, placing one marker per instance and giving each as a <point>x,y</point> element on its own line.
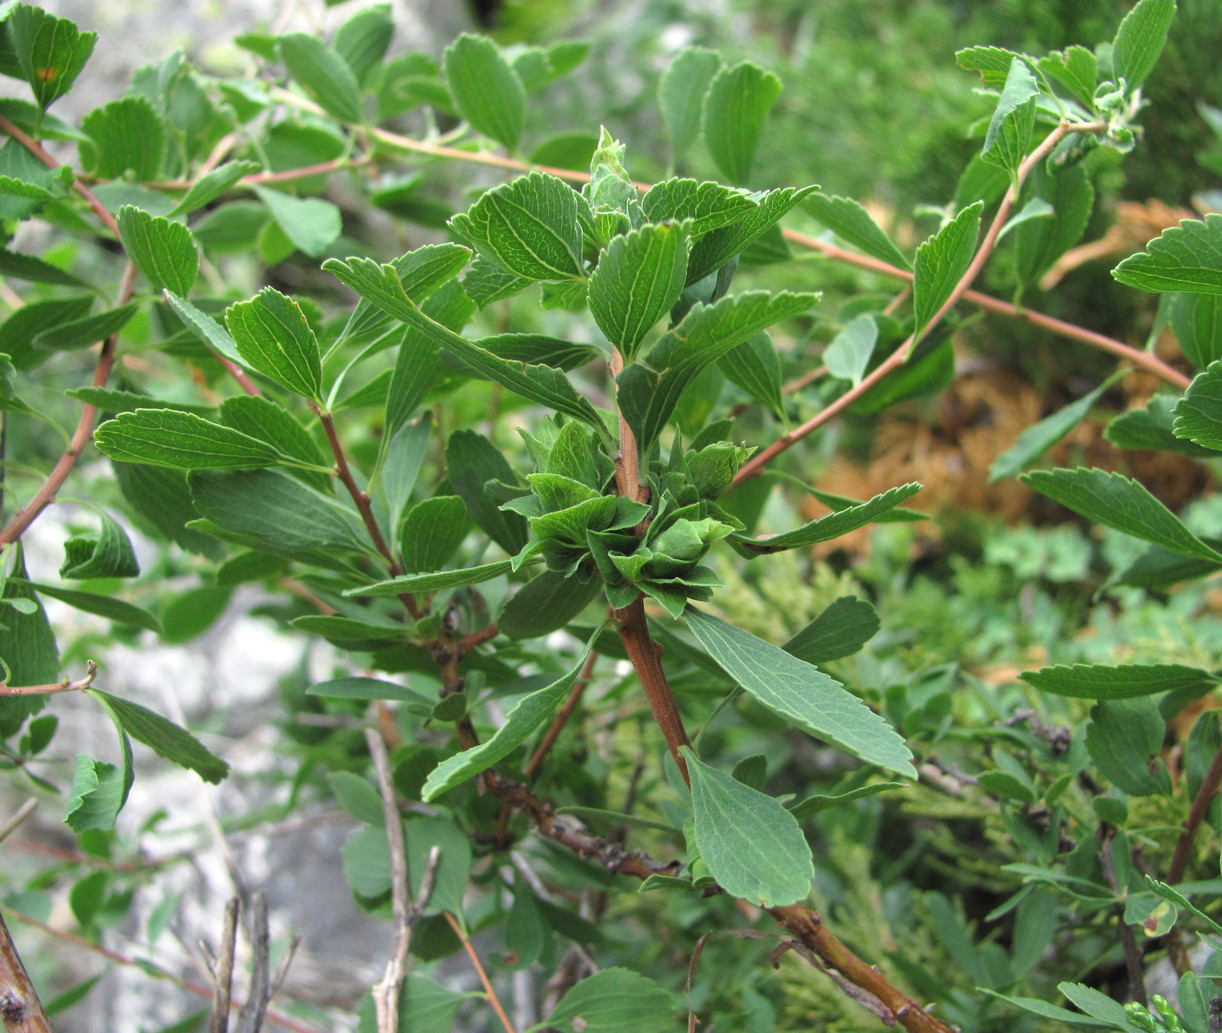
<point>432,531</point>
<point>753,847</point>
<point>434,582</point>
<point>51,51</point>
<point>801,693</point>
<point>681,96</point>
<point>528,227</point>
<point>756,368</point>
<point>848,354</point>
<point>546,603</point>
<point>715,249</point>
<point>1116,501</point>
<point>207,329</point>
<point>1035,440</point>
<point>941,261</point>
<point>1198,415</point>
<point>1076,71</point>
<point>613,1000</point>
<point>527,715</point>
<point>163,250</point>
<point>1140,39</point>
<point>323,74</point>
<point>486,89</point>
<point>853,224</point>
<point>840,630</point>
<point>165,738</point>
<point>825,528</point>
<point>180,441</point>
<point>215,184</point>
<point>701,207</point>
<point>639,278</point>
<point>1187,257</point>
<point>736,107</point>
<point>1096,681</point>
<point>109,553</point>
<point>274,337</point>
<point>992,63</point>
<point>310,223</point>
<point>1013,121</point>
<point>124,135</point>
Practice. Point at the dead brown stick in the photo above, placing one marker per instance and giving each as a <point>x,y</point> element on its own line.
<point>222,976</point>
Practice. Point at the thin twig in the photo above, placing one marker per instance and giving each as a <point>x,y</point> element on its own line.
<point>222,976</point>
<point>91,670</point>
<point>479,970</point>
<point>1196,815</point>
<point>250,1018</point>
<point>477,638</point>
<point>20,1007</point>
<point>23,812</point>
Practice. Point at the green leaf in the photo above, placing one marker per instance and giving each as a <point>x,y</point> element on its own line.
<point>180,441</point>
<point>486,89</point>
<point>736,108</point>
<point>165,738</point>
<point>160,497</point>
<point>1116,501</point>
<point>125,135</point>
<point>839,631</point>
<point>992,63</point>
<point>1036,439</point>
<point>270,422</point>
<point>639,278</point>
<point>681,96</point>
<point>702,207</point>
<point>367,689</point>
<point>941,262</point>
<point>276,512</point>
<point>163,250</point>
<point>50,50</point>
<point>756,368</point>
<point>801,693</point>
<point>422,271</point>
<point>1076,71</point>
<point>323,74</point>
<point>1096,681</point>
<point>17,266</point>
<point>207,329</point>
<point>825,528</point>
<point>109,553</point>
<point>527,715</point>
<point>435,582</point>
<point>1038,243</point>
<point>853,224</point>
<point>99,791</point>
<point>613,1000</point>
<point>350,632</point>
<point>215,184</point>
<point>1049,1011</point>
<point>1122,737</point>
<point>848,354</point>
<point>537,349</point>
<point>472,461</point>
<point>18,331</point>
<point>537,67</point>
<point>27,647</point>
<point>80,333</point>
<point>362,41</point>
<point>1198,415</point>
<point>1013,121</point>
<point>822,802</point>
<point>753,847</point>
<point>1140,39</point>
<point>1197,322</point>
<point>543,384</point>
<point>1187,257</point>
<point>546,603</point>
<point>649,393</point>
<point>358,796</point>
<point>715,249</point>
<point>274,337</point>
<point>310,223</point>
<point>1151,428</point>
<point>528,227</point>
<point>432,531</point>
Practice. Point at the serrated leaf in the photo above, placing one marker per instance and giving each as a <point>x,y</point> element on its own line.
<point>1122,737</point>
<point>1038,243</point>
<point>848,354</point>
<point>180,441</point>
<point>435,582</point>
<point>80,333</point>
<point>702,207</point>
<point>1098,681</point>
<point>270,422</point>
<point>1036,439</point>
<point>736,108</point>
<point>486,89</point>
<point>853,224</point>
<point>274,337</point>
<point>538,349</point>
<point>753,847</point>
<point>1187,257</point>
<point>17,266</point>
<point>1116,501</point>
<point>422,271</point>
<point>681,95</point>
<point>801,693</point>
<point>323,74</point>
<point>839,631</point>
<point>613,1000</point>
<point>51,51</point>
<point>1198,415</point>
<point>825,528</point>
<point>715,249</point>
<point>1013,121</point>
<point>941,262</point>
<point>310,223</point>
<point>545,604</point>
<point>528,227</point>
<point>992,63</point>
<point>639,277</point>
<point>649,393</point>
<point>756,367</point>
<point>527,715</point>
<point>215,184</point>
<point>163,250</point>
<point>125,135</point>
<point>165,738</point>
<point>109,553</point>
<point>207,329</point>
<point>1140,39</point>
<point>1076,70</point>
<point>432,531</point>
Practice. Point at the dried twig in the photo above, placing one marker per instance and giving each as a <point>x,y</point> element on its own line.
<point>250,1018</point>
<point>222,975</point>
<point>23,812</point>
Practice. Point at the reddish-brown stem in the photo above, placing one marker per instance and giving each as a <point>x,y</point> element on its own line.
<point>808,377</point>
<point>477,638</point>
<point>20,1007</point>
<point>238,374</point>
<point>627,463</point>
<point>562,716</point>
<point>479,970</point>
<point>91,670</point>
<point>1196,815</point>
<point>80,437</point>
